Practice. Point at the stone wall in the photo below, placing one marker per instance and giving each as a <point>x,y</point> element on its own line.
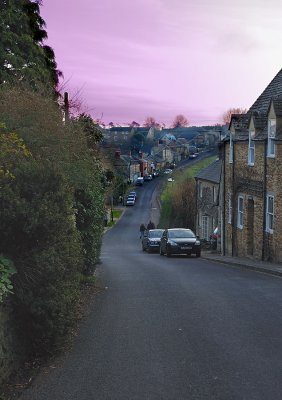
<point>248,182</point>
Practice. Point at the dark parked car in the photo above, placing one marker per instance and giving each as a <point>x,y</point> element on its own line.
<point>151,240</point>
<point>179,241</point>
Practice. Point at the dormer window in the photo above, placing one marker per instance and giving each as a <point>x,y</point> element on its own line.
<point>251,148</point>
<point>271,137</point>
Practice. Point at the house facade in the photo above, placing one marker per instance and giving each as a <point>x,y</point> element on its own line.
<point>207,192</point>
<point>252,179</point>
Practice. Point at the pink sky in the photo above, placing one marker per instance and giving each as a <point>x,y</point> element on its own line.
<point>136,58</point>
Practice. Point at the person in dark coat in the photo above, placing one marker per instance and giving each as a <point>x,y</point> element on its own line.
<point>142,230</point>
<point>151,225</point>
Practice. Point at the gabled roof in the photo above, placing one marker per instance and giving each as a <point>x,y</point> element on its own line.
<point>259,111</point>
<point>211,173</point>
<point>272,91</point>
<point>277,103</point>
<point>128,159</point>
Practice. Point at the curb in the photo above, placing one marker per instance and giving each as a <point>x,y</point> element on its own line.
<point>234,263</point>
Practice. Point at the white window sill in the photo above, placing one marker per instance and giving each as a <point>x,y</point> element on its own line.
<point>270,231</point>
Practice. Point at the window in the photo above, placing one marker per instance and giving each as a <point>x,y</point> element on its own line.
<point>231,149</point>
<point>240,212</point>
<point>251,149</point>
<point>271,137</point>
<point>230,208</point>
<point>269,213</point>
<point>214,193</point>
<point>200,189</point>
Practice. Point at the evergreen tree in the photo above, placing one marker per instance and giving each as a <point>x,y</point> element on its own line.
<point>23,56</point>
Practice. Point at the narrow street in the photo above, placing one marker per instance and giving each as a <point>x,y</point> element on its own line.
<point>170,328</point>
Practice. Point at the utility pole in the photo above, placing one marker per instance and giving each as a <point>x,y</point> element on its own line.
<point>66,106</point>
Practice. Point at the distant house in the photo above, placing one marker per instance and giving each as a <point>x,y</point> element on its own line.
<point>252,179</point>
<point>207,200</point>
<point>127,166</point>
<point>163,154</point>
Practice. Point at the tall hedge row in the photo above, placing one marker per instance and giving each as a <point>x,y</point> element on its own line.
<point>52,209</point>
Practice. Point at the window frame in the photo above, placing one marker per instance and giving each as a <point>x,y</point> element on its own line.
<point>271,131</point>
<point>240,212</point>
<point>214,194</point>
<point>269,214</point>
<point>200,189</point>
<point>251,149</point>
<point>230,150</point>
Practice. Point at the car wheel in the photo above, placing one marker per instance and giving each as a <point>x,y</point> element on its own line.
<point>149,250</point>
<point>198,254</point>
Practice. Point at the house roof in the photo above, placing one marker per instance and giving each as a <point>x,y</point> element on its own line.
<point>272,91</point>
<point>277,103</point>
<point>259,111</point>
<point>211,173</point>
<point>128,159</point>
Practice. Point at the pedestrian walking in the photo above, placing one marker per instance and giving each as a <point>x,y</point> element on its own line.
<point>142,230</point>
<point>151,225</point>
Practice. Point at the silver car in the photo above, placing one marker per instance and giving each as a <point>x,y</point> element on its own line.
<point>151,240</point>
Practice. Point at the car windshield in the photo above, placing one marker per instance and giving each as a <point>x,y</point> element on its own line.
<point>156,233</point>
<point>181,233</point>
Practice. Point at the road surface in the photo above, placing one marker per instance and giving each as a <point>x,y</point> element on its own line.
<point>178,328</point>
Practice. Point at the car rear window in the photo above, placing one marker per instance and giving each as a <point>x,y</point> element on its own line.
<point>181,233</point>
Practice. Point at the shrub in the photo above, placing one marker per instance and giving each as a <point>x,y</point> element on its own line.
<point>90,223</point>
<point>38,233</point>
<point>7,269</point>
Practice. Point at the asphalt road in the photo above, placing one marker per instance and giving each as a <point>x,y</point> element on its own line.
<point>171,328</point>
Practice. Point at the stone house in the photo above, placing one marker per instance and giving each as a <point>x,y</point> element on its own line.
<point>207,199</point>
<point>127,166</point>
<point>163,154</point>
<point>252,179</point>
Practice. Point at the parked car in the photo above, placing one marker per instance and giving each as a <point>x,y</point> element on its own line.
<point>133,194</point>
<point>148,178</point>
<point>179,241</point>
<point>167,171</point>
<point>151,240</point>
<point>139,181</point>
<point>130,201</point>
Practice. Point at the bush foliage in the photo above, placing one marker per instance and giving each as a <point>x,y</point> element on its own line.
<point>52,215</point>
